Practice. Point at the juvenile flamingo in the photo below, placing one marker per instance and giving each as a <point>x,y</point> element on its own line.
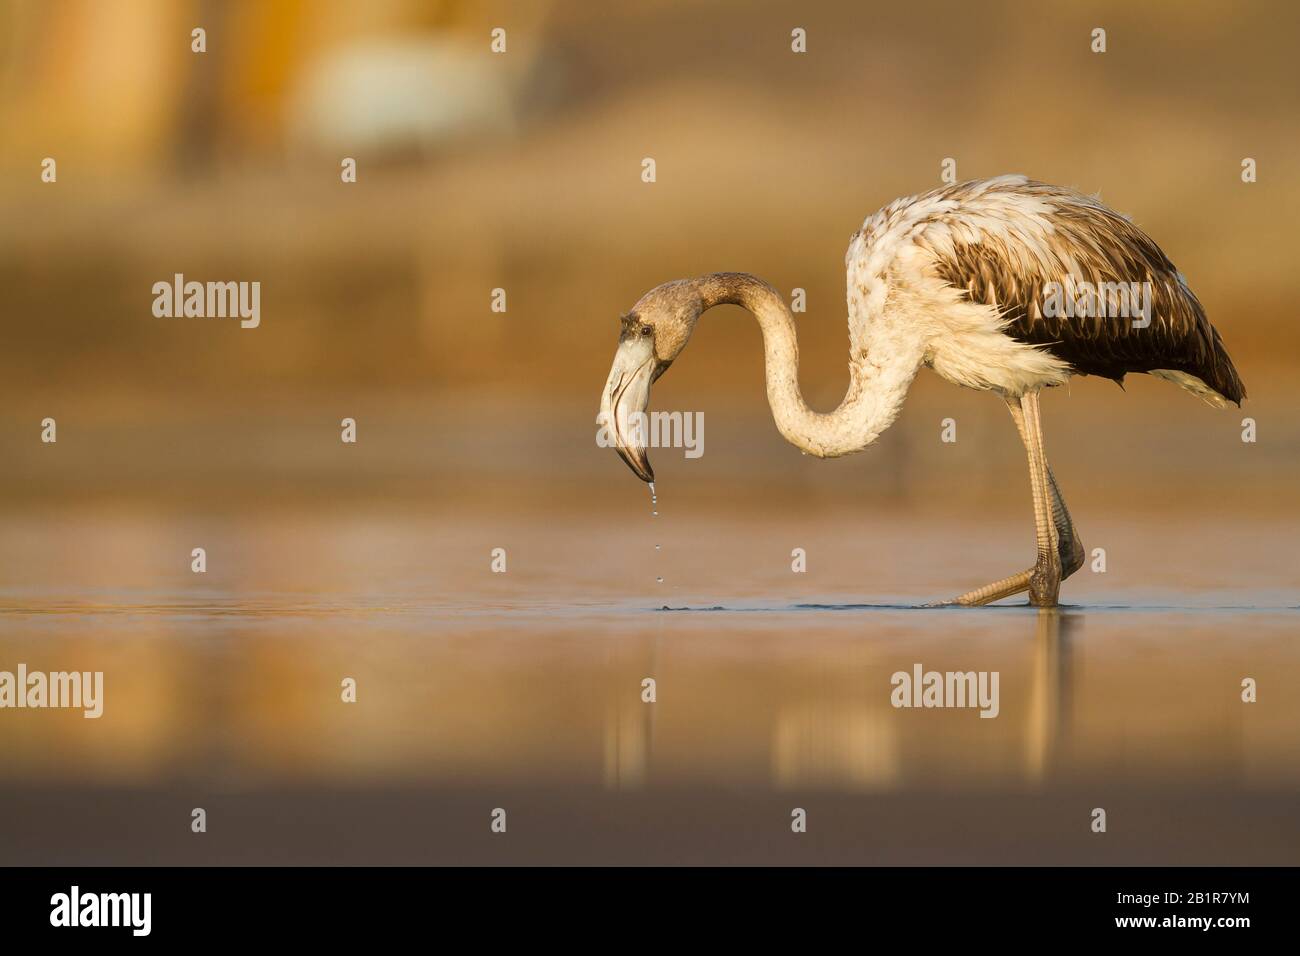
<point>1004,285</point>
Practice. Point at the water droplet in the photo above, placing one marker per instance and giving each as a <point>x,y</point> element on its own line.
<point>654,511</point>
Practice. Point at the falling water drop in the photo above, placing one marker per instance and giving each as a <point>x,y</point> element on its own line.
<point>654,512</point>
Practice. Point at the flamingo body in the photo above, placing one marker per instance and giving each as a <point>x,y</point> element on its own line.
<point>985,253</point>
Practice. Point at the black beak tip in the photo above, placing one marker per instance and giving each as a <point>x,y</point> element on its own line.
<point>640,465</point>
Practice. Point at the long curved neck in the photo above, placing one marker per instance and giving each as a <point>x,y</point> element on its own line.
<point>880,371</point>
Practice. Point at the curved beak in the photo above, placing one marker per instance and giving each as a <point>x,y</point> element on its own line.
<point>625,399</point>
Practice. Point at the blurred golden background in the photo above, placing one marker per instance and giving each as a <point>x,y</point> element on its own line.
<point>522,171</point>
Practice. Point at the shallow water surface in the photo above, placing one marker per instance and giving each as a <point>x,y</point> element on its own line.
<point>524,691</point>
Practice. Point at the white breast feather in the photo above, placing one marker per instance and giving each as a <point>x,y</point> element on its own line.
<point>896,298</point>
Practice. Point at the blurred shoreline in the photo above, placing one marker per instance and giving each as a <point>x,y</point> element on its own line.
<point>1150,449</point>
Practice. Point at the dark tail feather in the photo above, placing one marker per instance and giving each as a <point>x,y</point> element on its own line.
<point>1223,374</point>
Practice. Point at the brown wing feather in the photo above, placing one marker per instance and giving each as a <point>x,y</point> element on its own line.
<point>1089,243</point>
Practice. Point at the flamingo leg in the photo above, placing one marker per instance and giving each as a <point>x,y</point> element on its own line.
<point>1069,546</point>
<point>1060,552</point>
<point>1045,579</point>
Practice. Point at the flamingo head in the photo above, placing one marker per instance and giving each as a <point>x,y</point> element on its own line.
<point>650,337</point>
